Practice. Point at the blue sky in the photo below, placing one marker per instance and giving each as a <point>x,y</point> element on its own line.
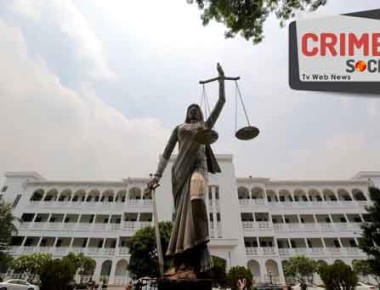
<point>93,88</point>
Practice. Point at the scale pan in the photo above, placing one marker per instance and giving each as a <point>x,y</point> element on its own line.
<point>247,133</point>
<point>206,136</point>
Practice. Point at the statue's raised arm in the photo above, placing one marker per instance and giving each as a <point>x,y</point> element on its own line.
<point>210,122</point>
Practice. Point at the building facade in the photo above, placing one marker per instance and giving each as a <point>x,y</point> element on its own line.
<point>254,222</point>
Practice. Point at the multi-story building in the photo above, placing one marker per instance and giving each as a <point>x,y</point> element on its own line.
<point>255,222</point>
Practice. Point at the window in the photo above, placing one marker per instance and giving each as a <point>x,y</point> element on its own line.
<point>27,217</point>
<point>211,217</point>
<point>336,243</point>
<point>59,243</point>
<point>4,189</point>
<point>216,192</point>
<point>218,217</point>
<point>357,219</point>
<point>17,199</point>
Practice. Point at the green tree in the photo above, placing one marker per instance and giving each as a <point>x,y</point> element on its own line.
<point>236,273</point>
<point>84,265</point>
<point>338,276</point>
<point>57,274</point>
<point>30,265</point>
<point>301,269</point>
<point>362,267</point>
<point>143,250</point>
<point>5,261</point>
<point>370,239</point>
<point>7,226</point>
<point>218,272</point>
<point>248,16</point>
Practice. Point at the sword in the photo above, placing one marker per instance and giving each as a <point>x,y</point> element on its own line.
<point>152,189</point>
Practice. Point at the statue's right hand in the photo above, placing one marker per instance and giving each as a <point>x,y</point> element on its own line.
<point>153,182</point>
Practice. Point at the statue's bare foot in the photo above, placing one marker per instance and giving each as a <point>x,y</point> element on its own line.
<point>170,272</point>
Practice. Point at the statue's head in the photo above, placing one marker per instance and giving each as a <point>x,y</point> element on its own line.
<point>194,114</point>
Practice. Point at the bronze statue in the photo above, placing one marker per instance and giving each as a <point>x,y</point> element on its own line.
<point>188,242</point>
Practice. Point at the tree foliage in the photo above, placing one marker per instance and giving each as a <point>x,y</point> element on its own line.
<point>57,274</point>
<point>338,276</point>
<point>84,265</point>
<point>30,265</point>
<point>237,273</point>
<point>246,17</point>
<point>7,226</point>
<point>218,272</point>
<point>370,240</point>
<point>143,250</point>
<point>301,268</point>
<point>5,261</point>
<point>363,268</point>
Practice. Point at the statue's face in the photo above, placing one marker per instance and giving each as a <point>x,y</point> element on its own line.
<point>194,114</point>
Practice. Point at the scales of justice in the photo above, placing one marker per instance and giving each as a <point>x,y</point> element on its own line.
<point>190,234</point>
<point>209,136</point>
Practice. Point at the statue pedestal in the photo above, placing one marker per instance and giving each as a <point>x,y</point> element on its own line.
<point>194,284</point>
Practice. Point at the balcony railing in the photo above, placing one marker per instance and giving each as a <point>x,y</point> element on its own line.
<point>316,227</point>
<point>83,226</point>
<point>305,204</point>
<point>62,251</point>
<point>254,226</point>
<point>90,204</point>
<point>328,251</point>
<point>261,251</point>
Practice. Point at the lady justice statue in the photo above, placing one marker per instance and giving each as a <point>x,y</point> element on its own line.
<point>188,242</point>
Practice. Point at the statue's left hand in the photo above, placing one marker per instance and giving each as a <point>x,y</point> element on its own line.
<point>220,70</point>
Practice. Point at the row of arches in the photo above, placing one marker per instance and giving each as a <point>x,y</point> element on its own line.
<point>270,270</point>
<point>93,195</point>
<point>301,194</point>
<point>121,268</point>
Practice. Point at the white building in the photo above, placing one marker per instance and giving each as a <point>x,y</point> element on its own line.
<point>255,222</point>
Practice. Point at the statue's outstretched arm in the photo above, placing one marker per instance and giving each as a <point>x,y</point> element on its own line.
<point>210,122</point>
<point>167,153</point>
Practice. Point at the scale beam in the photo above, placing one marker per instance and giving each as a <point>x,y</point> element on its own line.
<point>218,78</point>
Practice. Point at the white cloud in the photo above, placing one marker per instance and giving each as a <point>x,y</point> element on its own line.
<point>342,155</point>
<point>62,133</point>
<point>67,18</point>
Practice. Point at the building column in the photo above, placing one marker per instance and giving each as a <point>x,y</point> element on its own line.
<point>23,241</point>
<point>71,243</point>
<point>112,273</point>
<point>39,242</point>
<point>340,243</point>
<point>323,243</point>
<point>98,268</point>
<point>280,272</point>
<point>263,271</point>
